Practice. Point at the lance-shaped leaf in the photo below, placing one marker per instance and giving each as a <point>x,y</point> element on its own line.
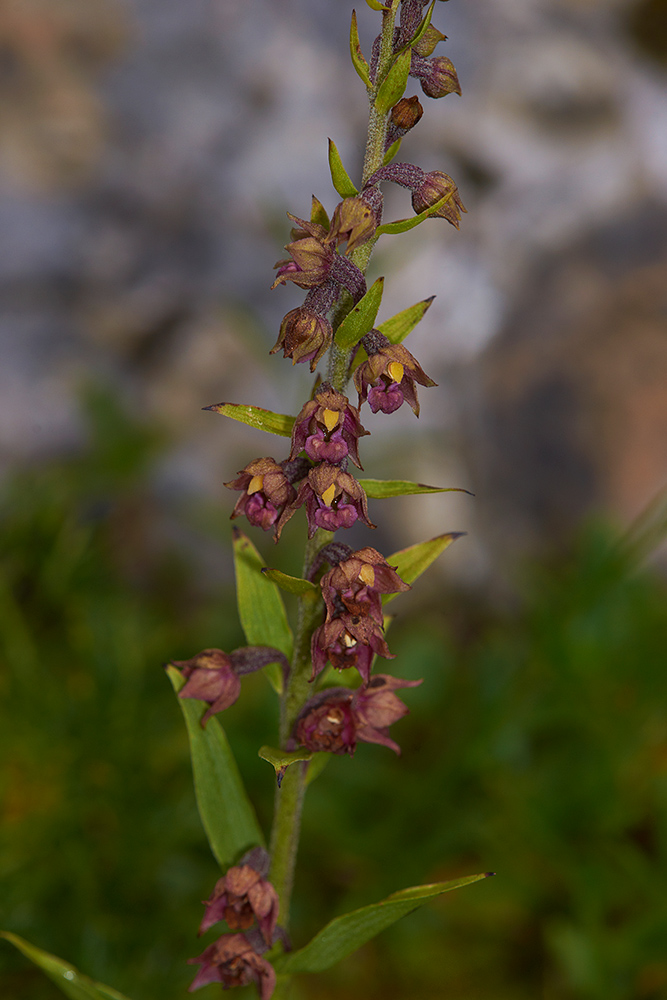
<point>403,225</point>
<point>261,609</point>
<point>280,760</point>
<point>376,5</point>
<point>410,563</point>
<point>339,175</point>
<point>347,933</point>
<point>358,60</point>
<point>318,213</point>
<point>393,86</point>
<point>225,809</point>
<point>255,416</point>
<point>72,982</point>
<point>380,488</point>
<point>399,326</point>
<point>292,584</point>
<point>391,152</point>
<point>360,320</point>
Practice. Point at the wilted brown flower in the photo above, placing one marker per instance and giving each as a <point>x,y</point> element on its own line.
<point>232,961</point>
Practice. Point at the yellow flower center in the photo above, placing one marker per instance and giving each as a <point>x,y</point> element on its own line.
<point>395,371</point>
<point>330,418</point>
<point>367,575</point>
<point>329,494</point>
<point>349,640</point>
<point>255,485</point>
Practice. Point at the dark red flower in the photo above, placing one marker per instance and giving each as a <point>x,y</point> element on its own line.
<point>240,897</point>
<point>210,677</point>
<point>357,583</point>
<point>232,961</point>
<point>336,719</point>
<point>348,641</point>
<point>266,492</point>
<point>387,378</point>
<point>333,499</point>
<point>328,428</point>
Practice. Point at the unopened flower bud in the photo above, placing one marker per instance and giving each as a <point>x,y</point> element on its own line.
<point>304,335</point>
<point>435,186</point>
<point>437,76</point>
<point>353,221</point>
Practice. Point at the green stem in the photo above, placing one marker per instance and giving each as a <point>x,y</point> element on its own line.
<point>289,797</point>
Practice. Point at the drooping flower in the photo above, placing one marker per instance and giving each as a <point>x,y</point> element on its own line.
<point>435,186</point>
<point>328,428</point>
<point>266,490</point>
<point>232,961</point>
<point>333,499</point>
<point>437,76</point>
<point>354,221</point>
<point>243,896</point>
<point>315,261</point>
<point>387,378</point>
<point>214,677</point>
<point>336,719</point>
<point>304,335</point>
<point>357,584</point>
<point>348,641</point>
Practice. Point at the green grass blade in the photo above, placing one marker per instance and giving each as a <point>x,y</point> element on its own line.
<point>255,416</point>
<point>410,563</point>
<point>72,982</point>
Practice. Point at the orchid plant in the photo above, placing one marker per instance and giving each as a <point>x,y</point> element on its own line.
<point>340,619</point>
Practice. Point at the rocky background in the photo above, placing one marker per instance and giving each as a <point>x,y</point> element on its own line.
<point>150,148</point>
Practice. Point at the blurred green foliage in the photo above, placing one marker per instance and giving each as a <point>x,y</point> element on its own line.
<point>536,747</point>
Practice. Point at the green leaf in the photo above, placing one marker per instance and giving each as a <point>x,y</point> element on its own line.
<point>392,152</point>
<point>226,811</point>
<point>393,86</point>
<point>339,175</point>
<point>360,320</point>
<point>378,489</point>
<point>358,60</point>
<point>292,584</point>
<point>376,5</point>
<point>410,563</point>
<point>255,416</point>
<point>318,213</point>
<point>261,609</point>
<point>345,934</point>
<point>403,225</point>
<point>399,326</point>
<point>72,982</point>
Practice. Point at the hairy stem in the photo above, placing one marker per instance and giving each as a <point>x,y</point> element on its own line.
<point>289,797</point>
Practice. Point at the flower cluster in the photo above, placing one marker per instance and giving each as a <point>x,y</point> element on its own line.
<point>242,898</point>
